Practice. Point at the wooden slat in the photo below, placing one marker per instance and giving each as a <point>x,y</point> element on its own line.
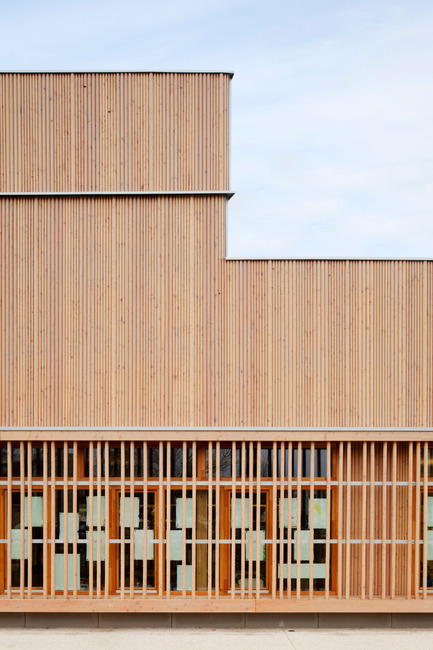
<point>90,513</point>
<point>122,518</point>
<point>425,522</point>
<point>145,517</point>
<point>348,516</point>
<point>194,519</point>
<point>281,523</point>
<point>417,515</point>
<point>243,519</point>
<point>184,479</point>
<point>233,523</point>
<point>298,522</point>
<point>98,517</point>
<point>74,517</point>
<point>364,519</point>
<point>65,521</point>
<point>311,517</point>
<point>217,518</point>
<point>274,520</point>
<point>371,522</point>
<point>168,522</point>
<point>53,519</point>
<point>107,518</point>
<point>209,521</point>
<point>289,517</point>
<point>250,520</point>
<point>328,519</point>
<point>393,517</point>
<point>258,522</point>
<point>384,519</point>
<point>340,521</point>
<point>409,522</point>
<point>9,524</point>
<point>22,511</point>
<point>30,520</point>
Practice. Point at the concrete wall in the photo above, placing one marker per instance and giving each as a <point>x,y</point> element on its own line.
<point>291,621</point>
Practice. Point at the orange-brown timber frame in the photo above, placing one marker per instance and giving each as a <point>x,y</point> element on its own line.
<point>123,322</point>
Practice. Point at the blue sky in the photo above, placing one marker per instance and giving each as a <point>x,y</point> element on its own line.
<point>332,107</point>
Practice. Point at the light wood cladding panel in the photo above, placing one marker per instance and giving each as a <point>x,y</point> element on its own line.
<point>113,132</point>
<point>124,312</point>
<point>329,343</point>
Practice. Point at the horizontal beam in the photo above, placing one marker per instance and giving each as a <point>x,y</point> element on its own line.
<point>121,193</point>
<point>236,434</point>
<point>219,605</point>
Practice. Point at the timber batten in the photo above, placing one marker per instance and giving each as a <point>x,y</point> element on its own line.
<point>186,432</point>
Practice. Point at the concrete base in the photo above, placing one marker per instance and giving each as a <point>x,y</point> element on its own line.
<point>209,621</point>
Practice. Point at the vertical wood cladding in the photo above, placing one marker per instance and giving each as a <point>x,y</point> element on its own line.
<point>124,312</point>
<point>106,132</point>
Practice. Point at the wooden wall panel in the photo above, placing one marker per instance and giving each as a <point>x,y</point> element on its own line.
<point>113,132</point>
<point>123,312</point>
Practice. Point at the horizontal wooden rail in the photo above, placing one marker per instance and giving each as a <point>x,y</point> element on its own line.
<point>237,434</point>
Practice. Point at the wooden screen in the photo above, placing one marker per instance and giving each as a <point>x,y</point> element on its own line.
<point>217,521</point>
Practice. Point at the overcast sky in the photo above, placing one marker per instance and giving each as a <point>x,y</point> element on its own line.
<point>332,106</point>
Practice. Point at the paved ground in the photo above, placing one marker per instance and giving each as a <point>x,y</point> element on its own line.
<point>196,639</point>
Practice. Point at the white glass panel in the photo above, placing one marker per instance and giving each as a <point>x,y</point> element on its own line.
<point>37,512</point>
<point>262,545</point>
<point>293,514</point>
<point>138,544</point>
<point>95,511</point>
<point>319,517</point>
<point>188,577</point>
<point>16,543</point>
<point>188,514</point>
<point>70,526</point>
<point>59,567</point>
<point>305,545</point>
<point>176,545</point>
<point>95,545</point>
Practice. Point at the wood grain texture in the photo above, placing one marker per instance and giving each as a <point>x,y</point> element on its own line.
<point>106,132</point>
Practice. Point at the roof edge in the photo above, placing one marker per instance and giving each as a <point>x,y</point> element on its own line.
<point>227,72</point>
<point>328,259</point>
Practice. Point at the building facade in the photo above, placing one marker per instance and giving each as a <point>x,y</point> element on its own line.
<point>180,431</point>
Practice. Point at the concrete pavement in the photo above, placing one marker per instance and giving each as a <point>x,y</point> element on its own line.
<point>215,639</point>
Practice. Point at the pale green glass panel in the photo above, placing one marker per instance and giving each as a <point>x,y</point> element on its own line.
<point>293,514</point>
<point>37,512</point>
<point>430,545</point>
<point>305,545</point>
<point>238,513</point>
<point>70,526</point>
<point>95,545</point>
<point>179,513</point>
<point>59,568</point>
<point>176,545</point>
<point>138,545</point>
<point>95,511</point>
<point>304,571</point>
<point>262,545</point>
<point>16,543</point>
<point>430,511</point>
<point>188,577</point>
<point>319,510</point>
<point>128,512</point>
<point>319,571</point>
